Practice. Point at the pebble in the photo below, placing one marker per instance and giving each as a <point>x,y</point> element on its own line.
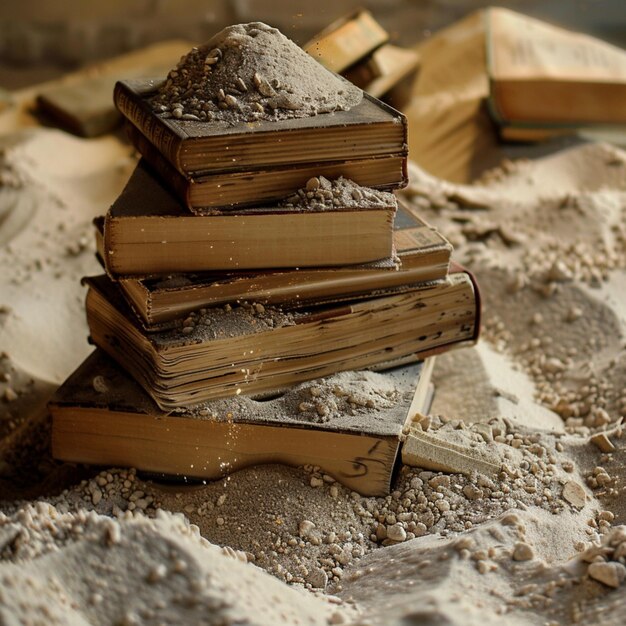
<point>609,574</point>
<point>523,552</point>
<point>396,532</point>
<point>305,527</point>
<point>9,394</point>
<point>574,494</point>
<point>316,482</point>
<point>317,578</point>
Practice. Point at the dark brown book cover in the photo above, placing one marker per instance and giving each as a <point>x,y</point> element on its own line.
<point>370,129</point>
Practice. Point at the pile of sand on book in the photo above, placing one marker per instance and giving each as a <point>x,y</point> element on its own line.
<point>266,296</point>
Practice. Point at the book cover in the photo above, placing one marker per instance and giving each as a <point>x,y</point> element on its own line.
<point>369,129</point>
<point>347,41</point>
<point>348,424</point>
<point>542,75</point>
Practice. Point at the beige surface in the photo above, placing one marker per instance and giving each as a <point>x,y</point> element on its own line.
<point>547,242</point>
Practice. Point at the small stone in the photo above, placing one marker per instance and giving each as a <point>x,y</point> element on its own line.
<point>9,394</point>
<point>99,384</point>
<point>396,532</point>
<point>471,492</point>
<point>602,442</point>
<point>573,314</point>
<point>316,482</point>
<point>317,578</point>
<point>574,494</point>
<point>523,552</point>
<point>313,184</point>
<point>609,574</point>
<point>305,527</point>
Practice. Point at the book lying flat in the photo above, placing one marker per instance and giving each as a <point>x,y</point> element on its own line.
<point>370,129</point>
<point>100,415</point>
<point>148,231</point>
<point>541,75</point>
<point>253,349</point>
<point>202,193</point>
<point>346,41</point>
<point>423,255</point>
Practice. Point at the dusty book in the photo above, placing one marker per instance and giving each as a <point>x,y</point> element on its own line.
<point>349,424</point>
<point>542,76</point>
<point>388,73</point>
<point>422,255</point>
<point>84,105</point>
<point>251,348</point>
<point>202,153</point>
<point>148,231</point>
<point>347,41</point>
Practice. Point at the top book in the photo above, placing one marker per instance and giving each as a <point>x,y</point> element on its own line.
<point>540,74</point>
<point>251,99</point>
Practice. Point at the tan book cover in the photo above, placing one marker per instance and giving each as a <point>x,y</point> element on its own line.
<point>347,41</point>
<point>351,427</point>
<point>541,74</point>
<point>148,231</point>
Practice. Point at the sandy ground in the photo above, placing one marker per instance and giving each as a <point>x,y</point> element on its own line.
<point>538,543</point>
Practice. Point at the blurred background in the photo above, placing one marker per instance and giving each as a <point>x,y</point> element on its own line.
<point>41,40</point>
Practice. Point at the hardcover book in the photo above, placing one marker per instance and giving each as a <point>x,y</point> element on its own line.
<point>422,255</point>
<point>349,424</point>
<point>347,41</point>
<point>216,164</point>
<point>148,231</point>
<point>542,76</point>
<point>251,348</point>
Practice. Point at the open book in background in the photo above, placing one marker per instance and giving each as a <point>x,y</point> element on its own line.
<point>349,424</point>
<point>453,132</point>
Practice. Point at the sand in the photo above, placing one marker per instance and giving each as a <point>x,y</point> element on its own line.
<point>251,72</point>
<point>538,543</point>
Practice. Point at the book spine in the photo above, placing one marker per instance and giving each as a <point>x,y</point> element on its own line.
<point>141,117</point>
<point>176,181</point>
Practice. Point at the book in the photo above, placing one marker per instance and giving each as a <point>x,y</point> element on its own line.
<point>388,73</point>
<point>370,129</point>
<point>423,255</point>
<point>82,103</point>
<point>148,231</point>
<point>255,349</point>
<point>452,135</point>
<point>226,190</point>
<point>347,41</point>
<point>544,76</point>
<point>100,415</point>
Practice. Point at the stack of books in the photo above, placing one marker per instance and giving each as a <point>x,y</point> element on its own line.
<point>255,274</point>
